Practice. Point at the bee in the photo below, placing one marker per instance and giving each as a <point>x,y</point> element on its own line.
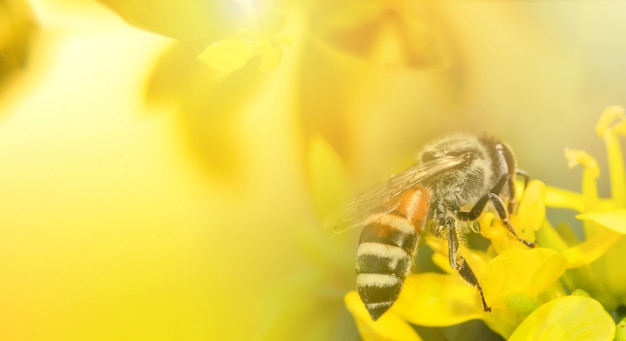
<point>447,189</point>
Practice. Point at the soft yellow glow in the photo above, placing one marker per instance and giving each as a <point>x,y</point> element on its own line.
<point>198,219</point>
<point>109,230</point>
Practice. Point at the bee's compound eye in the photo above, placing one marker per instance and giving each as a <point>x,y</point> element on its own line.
<point>428,156</point>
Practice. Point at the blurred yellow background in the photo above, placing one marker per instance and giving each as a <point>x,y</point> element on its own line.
<point>126,221</point>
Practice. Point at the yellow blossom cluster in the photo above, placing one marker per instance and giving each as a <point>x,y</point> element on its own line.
<point>565,289</point>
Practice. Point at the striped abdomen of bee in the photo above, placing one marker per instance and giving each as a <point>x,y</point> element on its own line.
<point>386,248</point>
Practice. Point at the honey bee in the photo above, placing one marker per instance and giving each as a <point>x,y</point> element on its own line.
<point>449,187</point>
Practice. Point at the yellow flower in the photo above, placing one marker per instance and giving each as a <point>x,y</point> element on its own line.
<point>561,290</point>
<point>515,280</point>
<point>388,327</point>
<point>567,318</point>
<point>262,39</point>
<point>598,259</point>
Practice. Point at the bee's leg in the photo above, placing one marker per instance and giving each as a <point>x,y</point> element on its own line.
<point>505,156</point>
<point>466,272</point>
<point>453,243</point>
<point>458,263</point>
<point>524,175</point>
<point>511,184</point>
<point>498,204</point>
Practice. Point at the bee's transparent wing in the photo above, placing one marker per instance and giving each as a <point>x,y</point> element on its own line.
<point>378,198</point>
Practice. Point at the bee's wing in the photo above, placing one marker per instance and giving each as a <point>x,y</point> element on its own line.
<point>378,198</point>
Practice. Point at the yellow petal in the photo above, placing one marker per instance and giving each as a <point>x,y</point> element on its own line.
<point>433,299</point>
<point>548,237</point>
<point>591,249</point>
<point>521,272</point>
<point>185,20</point>
<point>493,229</point>
<point>532,209</point>
<point>568,318</point>
<point>513,281</point>
<point>614,220</point>
<point>438,245</point>
<point>271,56</point>
<point>388,328</point>
<point>560,198</point>
<point>488,229</point>
<point>477,259</point>
<point>328,178</point>
<point>440,252</point>
<point>610,271</point>
<point>229,55</point>
<point>443,263</point>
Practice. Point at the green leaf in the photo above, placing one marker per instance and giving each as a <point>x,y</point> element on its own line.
<point>568,318</point>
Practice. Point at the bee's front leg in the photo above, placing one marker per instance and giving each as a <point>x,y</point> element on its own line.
<point>499,206</point>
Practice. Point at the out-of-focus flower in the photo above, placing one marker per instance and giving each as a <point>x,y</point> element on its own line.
<point>216,69</point>
<point>531,293</point>
<point>227,54</point>
<point>183,20</point>
<point>17,26</point>
<point>261,40</point>
<point>386,32</point>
